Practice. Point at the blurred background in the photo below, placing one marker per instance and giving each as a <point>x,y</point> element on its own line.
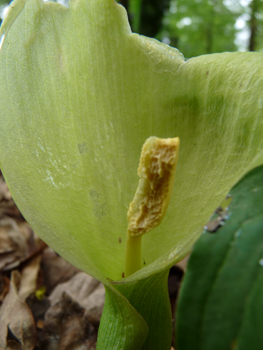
<point>195,27</point>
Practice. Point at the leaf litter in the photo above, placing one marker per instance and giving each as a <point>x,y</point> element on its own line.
<point>45,302</point>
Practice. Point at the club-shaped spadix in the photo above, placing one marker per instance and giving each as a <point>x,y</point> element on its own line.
<point>156,171</point>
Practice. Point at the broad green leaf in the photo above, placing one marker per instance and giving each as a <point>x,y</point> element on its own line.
<point>151,300</point>
<point>221,300</point>
<point>79,96</point>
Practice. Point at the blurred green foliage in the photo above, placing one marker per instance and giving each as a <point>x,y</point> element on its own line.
<point>255,11</point>
<point>195,27</point>
<point>3,4</point>
<point>147,15</point>
<point>200,27</point>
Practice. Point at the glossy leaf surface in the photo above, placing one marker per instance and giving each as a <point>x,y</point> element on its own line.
<point>79,96</point>
<point>221,300</point>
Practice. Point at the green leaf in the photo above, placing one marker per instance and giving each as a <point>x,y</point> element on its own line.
<point>221,300</point>
<point>79,96</point>
<point>122,327</point>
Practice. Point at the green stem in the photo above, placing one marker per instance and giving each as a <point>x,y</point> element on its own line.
<point>151,299</point>
<point>137,315</point>
<point>133,254</point>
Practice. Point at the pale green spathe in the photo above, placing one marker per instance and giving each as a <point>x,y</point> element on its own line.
<point>79,96</point>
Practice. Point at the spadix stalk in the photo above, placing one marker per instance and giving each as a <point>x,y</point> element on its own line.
<point>156,171</point>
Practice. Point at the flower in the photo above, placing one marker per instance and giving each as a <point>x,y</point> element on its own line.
<point>79,96</point>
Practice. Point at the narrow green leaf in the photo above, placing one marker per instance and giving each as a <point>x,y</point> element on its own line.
<point>221,300</point>
<point>121,326</point>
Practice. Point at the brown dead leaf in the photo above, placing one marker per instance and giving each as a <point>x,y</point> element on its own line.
<point>94,303</point>
<point>18,243</point>
<point>78,287</point>
<point>9,209</point>
<point>13,345</point>
<point>183,263</point>
<point>4,191</point>
<point>67,327</point>
<point>84,289</point>
<point>13,244</point>
<point>7,205</point>
<point>4,287</point>
<point>55,270</point>
<point>29,274</point>
<point>38,308</point>
<point>16,317</point>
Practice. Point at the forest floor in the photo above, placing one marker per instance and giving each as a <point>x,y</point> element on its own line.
<point>45,302</point>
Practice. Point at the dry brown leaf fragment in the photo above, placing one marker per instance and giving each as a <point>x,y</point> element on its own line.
<point>67,327</point>
<point>7,204</point>
<point>55,269</point>
<point>13,244</point>
<point>13,345</point>
<point>38,308</point>
<point>4,191</point>
<point>16,316</point>
<point>18,243</point>
<point>4,287</point>
<point>183,263</point>
<point>84,289</point>
<point>29,274</point>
